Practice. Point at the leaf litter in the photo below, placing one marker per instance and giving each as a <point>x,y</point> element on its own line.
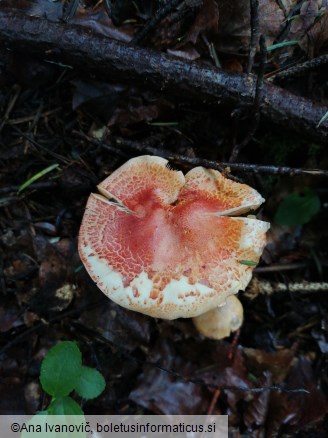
<point>150,365</point>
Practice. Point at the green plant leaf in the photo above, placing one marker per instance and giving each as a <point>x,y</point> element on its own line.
<point>323,118</point>
<point>297,208</point>
<point>283,44</point>
<point>247,262</point>
<point>37,176</point>
<point>61,369</point>
<point>91,383</point>
<point>64,411</point>
<point>64,406</point>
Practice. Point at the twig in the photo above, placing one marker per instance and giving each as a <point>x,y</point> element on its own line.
<point>45,114</point>
<point>214,401</point>
<point>212,51</point>
<point>74,45</point>
<point>109,9</point>
<point>254,9</point>
<point>268,288</point>
<point>280,267</point>
<point>198,381</point>
<point>260,76</point>
<point>30,138</point>
<point>11,104</point>
<point>71,9</point>
<point>19,337</point>
<point>300,69</point>
<point>256,107</point>
<point>34,186</point>
<point>221,166</point>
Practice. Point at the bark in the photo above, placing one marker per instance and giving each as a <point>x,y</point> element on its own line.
<point>116,61</point>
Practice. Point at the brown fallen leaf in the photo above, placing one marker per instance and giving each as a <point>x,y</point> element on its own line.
<point>302,22</point>
<point>120,326</point>
<point>277,362</point>
<point>161,392</point>
<point>206,20</point>
<point>9,318</point>
<point>234,25</point>
<point>256,410</point>
<point>295,411</point>
<point>316,37</point>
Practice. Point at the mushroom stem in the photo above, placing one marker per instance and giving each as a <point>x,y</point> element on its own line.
<point>219,322</point>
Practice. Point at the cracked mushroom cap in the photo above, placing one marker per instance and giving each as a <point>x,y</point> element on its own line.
<point>164,244</point>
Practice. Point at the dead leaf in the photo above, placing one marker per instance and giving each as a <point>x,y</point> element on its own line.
<point>228,371</point>
<point>302,22</point>
<point>257,408</point>
<point>234,26</point>
<point>9,318</point>
<point>133,114</point>
<point>53,269</point>
<point>186,52</point>
<point>297,410</point>
<point>317,36</point>
<point>120,326</point>
<point>163,393</point>
<point>206,20</point>
<point>53,11</point>
<point>277,362</point>
<point>271,17</point>
<point>97,98</point>
<point>21,266</point>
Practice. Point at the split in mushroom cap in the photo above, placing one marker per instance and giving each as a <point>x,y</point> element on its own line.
<point>161,243</point>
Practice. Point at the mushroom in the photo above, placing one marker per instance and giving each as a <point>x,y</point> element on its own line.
<point>168,245</point>
<point>219,322</point>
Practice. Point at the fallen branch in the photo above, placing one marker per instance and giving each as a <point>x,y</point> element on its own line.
<point>77,46</point>
<point>262,287</point>
<point>116,143</point>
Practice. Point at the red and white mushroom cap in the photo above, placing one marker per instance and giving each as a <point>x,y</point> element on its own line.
<point>161,243</point>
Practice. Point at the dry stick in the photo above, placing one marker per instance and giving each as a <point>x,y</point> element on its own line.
<point>254,9</point>
<point>256,107</point>
<point>221,166</point>
<point>71,9</point>
<point>10,106</point>
<point>200,382</point>
<point>300,69</point>
<point>44,185</point>
<point>280,267</point>
<point>257,287</point>
<point>109,9</point>
<point>94,53</point>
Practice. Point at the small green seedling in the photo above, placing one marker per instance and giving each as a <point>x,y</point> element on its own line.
<point>37,176</point>
<point>62,372</point>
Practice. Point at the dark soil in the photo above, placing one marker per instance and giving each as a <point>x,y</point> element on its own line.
<point>276,366</point>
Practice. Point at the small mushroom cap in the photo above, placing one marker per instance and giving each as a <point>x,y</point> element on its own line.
<point>161,243</point>
<point>218,323</point>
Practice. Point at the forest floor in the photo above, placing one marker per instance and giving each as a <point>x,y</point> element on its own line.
<point>62,131</point>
